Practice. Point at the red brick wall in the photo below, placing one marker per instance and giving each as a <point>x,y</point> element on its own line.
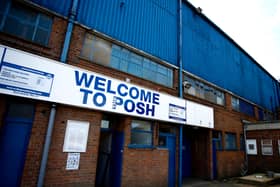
<point>229,163</point>
<point>263,163</point>
<point>35,146</point>
<point>56,175</point>
<point>226,120</point>
<point>143,167</point>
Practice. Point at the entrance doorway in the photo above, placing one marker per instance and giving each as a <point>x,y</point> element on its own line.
<point>14,138</point>
<point>110,153</point>
<point>195,157</point>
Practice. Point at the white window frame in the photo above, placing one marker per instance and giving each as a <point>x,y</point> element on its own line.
<point>279,146</point>
<point>267,144</point>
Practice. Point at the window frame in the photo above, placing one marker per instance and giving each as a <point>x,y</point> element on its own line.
<point>204,91</point>
<point>267,145</point>
<point>218,140</point>
<point>226,141</point>
<point>36,25</point>
<point>128,61</point>
<point>150,132</point>
<point>235,104</point>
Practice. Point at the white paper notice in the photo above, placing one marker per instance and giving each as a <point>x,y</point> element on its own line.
<point>76,136</point>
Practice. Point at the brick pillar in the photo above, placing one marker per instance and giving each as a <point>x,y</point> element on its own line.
<point>228,101</point>
<point>256,110</point>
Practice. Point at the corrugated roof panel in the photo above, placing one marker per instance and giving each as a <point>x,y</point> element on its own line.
<point>61,6</point>
<point>145,24</point>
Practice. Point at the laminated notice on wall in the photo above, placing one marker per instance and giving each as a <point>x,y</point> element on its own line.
<point>73,161</point>
<point>251,146</point>
<point>76,136</point>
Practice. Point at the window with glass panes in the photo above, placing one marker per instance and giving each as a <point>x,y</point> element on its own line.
<point>204,91</point>
<point>106,53</point>
<point>19,20</point>
<point>230,140</point>
<point>267,148</point>
<point>141,133</point>
<point>217,139</point>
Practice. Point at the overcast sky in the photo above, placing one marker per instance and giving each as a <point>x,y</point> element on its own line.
<point>253,24</point>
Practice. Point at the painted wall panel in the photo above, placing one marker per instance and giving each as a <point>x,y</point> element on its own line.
<point>199,115</point>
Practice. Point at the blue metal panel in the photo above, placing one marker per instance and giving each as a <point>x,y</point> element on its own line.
<point>13,151</point>
<point>61,6</point>
<point>149,25</point>
<point>228,66</point>
<point>117,158</point>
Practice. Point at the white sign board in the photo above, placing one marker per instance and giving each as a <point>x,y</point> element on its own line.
<point>76,136</point>
<point>200,115</point>
<point>251,147</point>
<point>73,161</point>
<point>27,75</point>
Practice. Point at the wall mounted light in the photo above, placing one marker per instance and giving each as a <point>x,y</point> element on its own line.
<point>187,84</point>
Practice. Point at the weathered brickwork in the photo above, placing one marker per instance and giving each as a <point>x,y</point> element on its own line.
<point>56,173</point>
<point>260,162</point>
<point>35,146</point>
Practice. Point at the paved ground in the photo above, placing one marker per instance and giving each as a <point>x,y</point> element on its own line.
<point>226,183</point>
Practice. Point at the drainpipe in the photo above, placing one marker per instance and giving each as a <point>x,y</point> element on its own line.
<point>180,90</point>
<point>69,31</point>
<point>246,166</point>
<point>63,57</point>
<point>46,147</point>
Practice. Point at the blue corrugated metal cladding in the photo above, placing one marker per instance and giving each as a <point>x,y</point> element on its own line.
<point>151,26</point>
<point>62,6</point>
<point>211,55</point>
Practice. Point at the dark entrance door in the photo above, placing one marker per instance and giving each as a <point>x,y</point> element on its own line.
<point>109,166</point>
<point>186,161</point>
<point>14,138</point>
<point>214,158</point>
